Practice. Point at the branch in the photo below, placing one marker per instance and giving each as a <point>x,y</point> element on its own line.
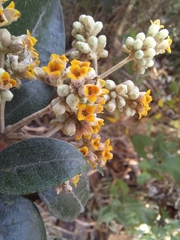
<point>53,130</point>
<point>2,108</point>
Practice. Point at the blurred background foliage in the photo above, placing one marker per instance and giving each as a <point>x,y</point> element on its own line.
<point>138,196</point>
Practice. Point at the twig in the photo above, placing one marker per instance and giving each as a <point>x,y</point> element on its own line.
<point>53,130</point>
<point>11,128</point>
<point>2,108</point>
<point>117,66</point>
<point>94,62</point>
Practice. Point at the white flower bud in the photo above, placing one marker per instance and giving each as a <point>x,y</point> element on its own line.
<point>150,63</point>
<point>6,95</point>
<point>78,27</point>
<point>106,97</point>
<point>69,128</point>
<point>125,49</point>
<point>120,101</point>
<point>161,47</point>
<point>5,38</point>
<point>73,33</point>
<point>88,23</point>
<point>134,94</point>
<point>72,100</point>
<point>110,105</point>
<point>58,106</point>
<point>73,44</point>
<point>83,100</point>
<point>75,54</point>
<point>129,42</point>
<point>103,54</point>
<point>97,28</point>
<point>81,18</point>
<point>93,42</point>
<point>80,38</point>
<point>62,118</point>
<point>128,111</point>
<point>110,85</point>
<point>137,44</point>
<point>121,89</point>
<point>149,42</point>
<point>139,54</point>
<point>130,85</point>
<point>149,53</point>
<point>153,30</point>
<point>141,36</point>
<point>83,47</point>
<point>63,90</point>
<point>102,41</point>
<point>161,35</point>
<point>113,94</point>
<point>141,70</point>
<point>142,62</point>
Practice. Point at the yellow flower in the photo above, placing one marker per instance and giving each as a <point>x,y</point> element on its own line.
<point>75,179</point>
<point>95,143</point>
<point>145,100</point>
<point>86,112</point>
<point>54,67</point>
<point>91,91</point>
<point>6,82</point>
<point>9,14</point>
<point>62,57</point>
<point>84,150</point>
<point>168,49</point>
<point>78,69</point>
<point>157,22</point>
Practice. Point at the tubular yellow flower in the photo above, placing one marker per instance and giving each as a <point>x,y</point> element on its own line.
<point>75,179</point>
<point>168,49</point>
<point>86,112</point>
<point>6,82</point>
<point>84,150</point>
<point>106,155</point>
<point>77,72</point>
<point>157,22</point>
<point>91,91</point>
<point>54,67</point>
<point>95,143</point>
<point>145,100</point>
<point>9,14</point>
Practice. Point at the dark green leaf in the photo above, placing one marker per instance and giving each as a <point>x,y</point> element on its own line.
<point>45,21</point>
<point>20,219</point>
<point>143,178</point>
<point>145,165</point>
<point>123,186</point>
<point>38,164</point>
<point>67,206</point>
<point>140,142</point>
<point>31,97</point>
<point>100,170</point>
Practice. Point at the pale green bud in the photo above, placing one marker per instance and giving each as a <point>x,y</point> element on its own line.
<point>72,100</point>
<point>75,54</point>
<point>128,111</point>
<point>161,35</point>
<point>63,90</point>
<point>129,42</point>
<point>142,62</point>
<point>81,18</point>
<point>121,89</point>
<point>103,54</point>
<point>74,33</point>
<point>110,85</point>
<point>69,128</point>
<point>139,54</point>
<point>150,63</point>
<point>93,42</point>
<point>137,44</point>
<point>149,42</point>
<point>120,101</point>
<point>110,105</point>
<point>134,94</point>
<point>6,95</point>
<point>141,36</point>
<point>106,97</point>
<point>97,28</point>
<point>113,94</point>
<point>78,27</point>
<point>83,47</point>
<point>88,22</point>
<point>62,118</point>
<point>80,38</point>
<point>141,70</point>
<point>130,85</point>
<point>153,30</point>
<point>102,41</point>
<point>5,39</point>
<point>149,53</point>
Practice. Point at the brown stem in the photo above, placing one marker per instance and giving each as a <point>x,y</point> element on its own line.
<point>11,128</point>
<point>2,109</point>
<point>53,130</point>
<point>117,66</point>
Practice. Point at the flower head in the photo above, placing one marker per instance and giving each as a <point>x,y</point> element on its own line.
<point>6,82</point>
<point>144,104</point>
<point>78,69</point>
<point>86,112</point>
<point>54,67</point>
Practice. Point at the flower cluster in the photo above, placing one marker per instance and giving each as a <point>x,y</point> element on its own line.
<point>87,45</point>
<point>144,47</point>
<point>127,98</point>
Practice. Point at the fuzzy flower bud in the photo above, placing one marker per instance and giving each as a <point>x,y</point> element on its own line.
<point>120,101</point>
<point>75,55</point>
<point>88,22</point>
<point>110,105</point>
<point>62,118</point>
<point>121,89</point>
<point>72,100</point>
<point>69,128</point>
<point>149,42</point>
<point>103,54</point>
<point>102,41</point>
<point>97,28</point>
<point>80,38</point>
<point>5,39</point>
<point>130,85</point>
<point>141,36</point>
<point>6,95</point>
<point>129,42</point>
<point>79,28</point>
<point>63,90</point>
<point>153,30</point>
<point>58,106</point>
<point>137,44</point>
<point>110,85</point>
<point>93,42</point>
<point>83,47</point>
<point>161,35</point>
<point>134,94</point>
<point>138,54</point>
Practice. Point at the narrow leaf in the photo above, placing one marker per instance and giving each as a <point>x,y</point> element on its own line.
<point>67,206</point>
<point>20,219</point>
<point>38,164</point>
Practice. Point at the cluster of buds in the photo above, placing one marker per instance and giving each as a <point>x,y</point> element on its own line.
<point>127,98</point>
<point>87,45</point>
<point>144,47</point>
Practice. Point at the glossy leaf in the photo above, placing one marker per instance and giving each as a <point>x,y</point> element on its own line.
<point>44,19</point>
<point>31,97</point>
<point>38,164</point>
<point>20,219</point>
<point>67,206</point>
